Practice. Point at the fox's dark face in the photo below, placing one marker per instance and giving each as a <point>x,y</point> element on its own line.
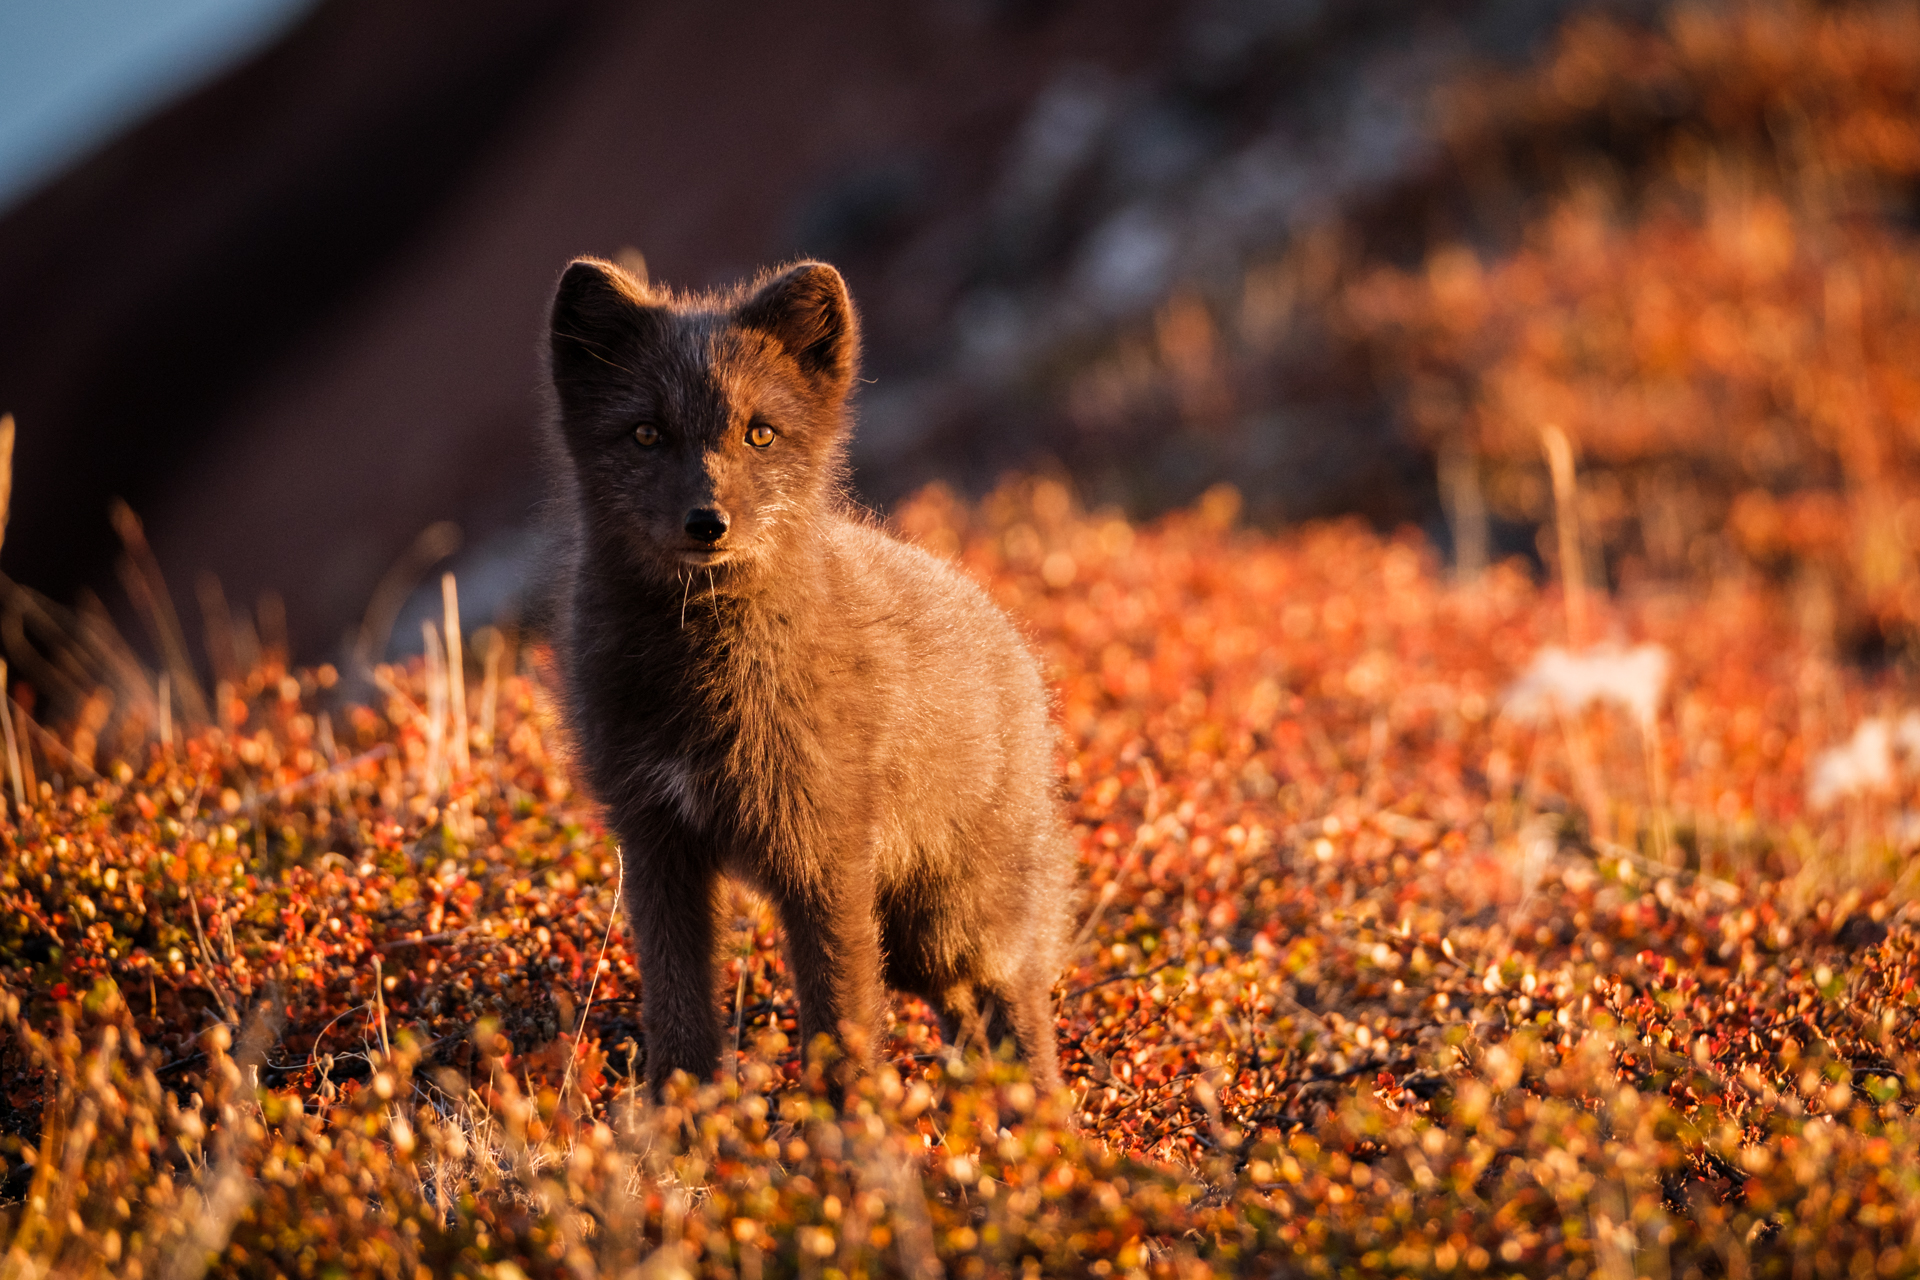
<point>703,434</point>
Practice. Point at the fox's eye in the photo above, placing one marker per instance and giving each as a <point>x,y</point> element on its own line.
<point>759,435</point>
<point>647,434</point>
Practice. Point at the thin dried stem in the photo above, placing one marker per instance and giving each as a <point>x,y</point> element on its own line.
<point>436,709</point>
<point>380,1008</point>
<point>216,620</point>
<point>1566,519</point>
<point>165,700</point>
<point>26,727</point>
<point>1586,772</point>
<point>13,743</point>
<point>740,990</point>
<point>1657,787</point>
<point>25,756</point>
<point>490,686</point>
<point>436,542</point>
<point>586,1006</point>
<point>206,956</point>
<point>6,472</point>
<point>148,589</point>
<point>456,674</point>
<point>1466,508</point>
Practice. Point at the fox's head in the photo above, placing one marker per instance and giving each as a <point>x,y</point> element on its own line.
<point>703,431</point>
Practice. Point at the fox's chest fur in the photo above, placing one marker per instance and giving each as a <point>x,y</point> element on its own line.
<point>746,720</point>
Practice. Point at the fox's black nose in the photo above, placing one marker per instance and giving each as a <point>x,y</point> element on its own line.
<point>706,525</point>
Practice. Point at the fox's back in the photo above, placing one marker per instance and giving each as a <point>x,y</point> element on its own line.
<point>959,709</point>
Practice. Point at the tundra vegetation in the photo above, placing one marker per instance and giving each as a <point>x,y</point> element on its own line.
<point>1381,971</point>
<point>1436,921</point>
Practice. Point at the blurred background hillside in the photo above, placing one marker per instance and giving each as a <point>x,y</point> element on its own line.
<point>1349,257</point>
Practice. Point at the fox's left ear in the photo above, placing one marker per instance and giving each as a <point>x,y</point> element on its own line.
<point>806,310</point>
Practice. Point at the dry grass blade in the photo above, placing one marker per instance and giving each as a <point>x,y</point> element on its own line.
<point>1466,508</point>
<point>435,543</point>
<point>45,643</point>
<point>13,742</point>
<point>6,473</point>
<point>456,674</point>
<point>164,696</point>
<point>216,620</point>
<point>148,590</point>
<point>433,780</point>
<point>56,750</point>
<point>494,648</point>
<point>1566,520</point>
<point>593,987</point>
<point>227,1187</point>
<point>1303,1004</point>
<point>20,722</point>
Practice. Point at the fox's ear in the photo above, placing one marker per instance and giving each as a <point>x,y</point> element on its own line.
<point>597,310</point>
<point>806,310</point>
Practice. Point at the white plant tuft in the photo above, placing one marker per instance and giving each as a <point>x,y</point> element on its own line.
<point>1864,763</point>
<point>1635,678</point>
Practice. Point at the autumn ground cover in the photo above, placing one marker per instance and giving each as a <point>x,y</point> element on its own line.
<point>1390,964</point>
<point>1435,921</point>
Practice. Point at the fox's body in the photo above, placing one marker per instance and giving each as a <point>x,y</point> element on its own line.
<point>761,685</point>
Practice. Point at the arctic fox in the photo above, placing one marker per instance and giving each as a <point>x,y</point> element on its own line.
<point>760,684</point>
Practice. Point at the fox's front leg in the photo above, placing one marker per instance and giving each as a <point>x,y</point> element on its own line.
<point>833,949</point>
<point>670,906</point>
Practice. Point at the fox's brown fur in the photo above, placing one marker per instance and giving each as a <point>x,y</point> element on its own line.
<point>762,685</point>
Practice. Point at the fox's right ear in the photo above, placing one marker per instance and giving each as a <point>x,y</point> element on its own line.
<point>597,309</point>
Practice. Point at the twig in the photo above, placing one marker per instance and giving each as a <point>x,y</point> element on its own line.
<point>1122,977</point>
<point>446,935</point>
<point>1103,1065</point>
<point>1108,892</point>
<point>313,1054</point>
<point>573,1057</point>
<point>380,1008</point>
<point>206,956</point>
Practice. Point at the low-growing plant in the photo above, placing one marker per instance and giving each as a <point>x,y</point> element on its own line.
<point>1360,987</point>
